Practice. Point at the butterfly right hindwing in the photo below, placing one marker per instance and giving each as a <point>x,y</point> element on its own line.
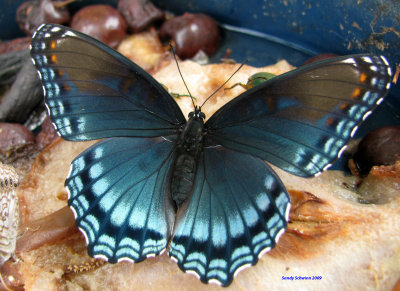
<point>117,192</point>
<point>238,210</point>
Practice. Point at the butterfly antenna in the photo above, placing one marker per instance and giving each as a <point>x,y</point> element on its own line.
<point>180,73</point>
<point>220,87</point>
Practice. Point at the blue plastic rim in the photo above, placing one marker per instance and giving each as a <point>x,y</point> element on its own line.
<point>265,31</point>
<point>342,27</point>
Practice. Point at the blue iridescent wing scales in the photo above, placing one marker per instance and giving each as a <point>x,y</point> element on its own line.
<point>238,210</point>
<point>94,92</point>
<point>302,120</point>
<point>117,192</point>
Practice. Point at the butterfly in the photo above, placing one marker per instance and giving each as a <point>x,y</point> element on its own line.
<point>200,189</point>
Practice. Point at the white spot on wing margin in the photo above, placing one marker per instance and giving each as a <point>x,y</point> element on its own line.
<point>193,273</point>
<point>241,268</point>
<point>55,126</point>
<point>215,281</point>
<point>74,211</point>
<point>125,259</point>
<point>384,60</point>
<point>39,28</point>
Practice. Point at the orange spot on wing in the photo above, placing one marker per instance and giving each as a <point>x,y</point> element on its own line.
<point>53,44</point>
<point>344,106</point>
<point>363,77</point>
<point>53,59</point>
<point>67,88</point>
<point>329,121</point>
<point>356,93</point>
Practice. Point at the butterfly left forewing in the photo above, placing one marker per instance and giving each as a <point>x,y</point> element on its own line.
<point>93,92</point>
<point>238,210</point>
<point>301,121</point>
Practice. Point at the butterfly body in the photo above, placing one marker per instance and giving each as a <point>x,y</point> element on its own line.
<point>188,149</point>
<point>232,207</point>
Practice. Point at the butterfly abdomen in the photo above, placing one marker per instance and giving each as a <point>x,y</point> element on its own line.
<point>188,149</point>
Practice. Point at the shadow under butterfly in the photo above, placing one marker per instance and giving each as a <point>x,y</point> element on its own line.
<point>201,189</point>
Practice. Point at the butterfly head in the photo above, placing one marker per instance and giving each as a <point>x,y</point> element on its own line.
<point>197,114</point>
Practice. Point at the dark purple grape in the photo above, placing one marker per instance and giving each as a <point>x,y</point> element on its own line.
<point>139,14</point>
<point>191,33</point>
<point>379,147</point>
<point>31,14</point>
<point>102,22</point>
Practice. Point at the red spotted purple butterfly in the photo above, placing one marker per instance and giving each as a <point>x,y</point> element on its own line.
<point>200,189</point>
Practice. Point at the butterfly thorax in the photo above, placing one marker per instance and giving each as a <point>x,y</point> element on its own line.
<point>188,149</point>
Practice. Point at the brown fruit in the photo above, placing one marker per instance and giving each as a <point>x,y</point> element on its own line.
<point>139,14</point>
<point>191,33</point>
<point>102,22</point>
